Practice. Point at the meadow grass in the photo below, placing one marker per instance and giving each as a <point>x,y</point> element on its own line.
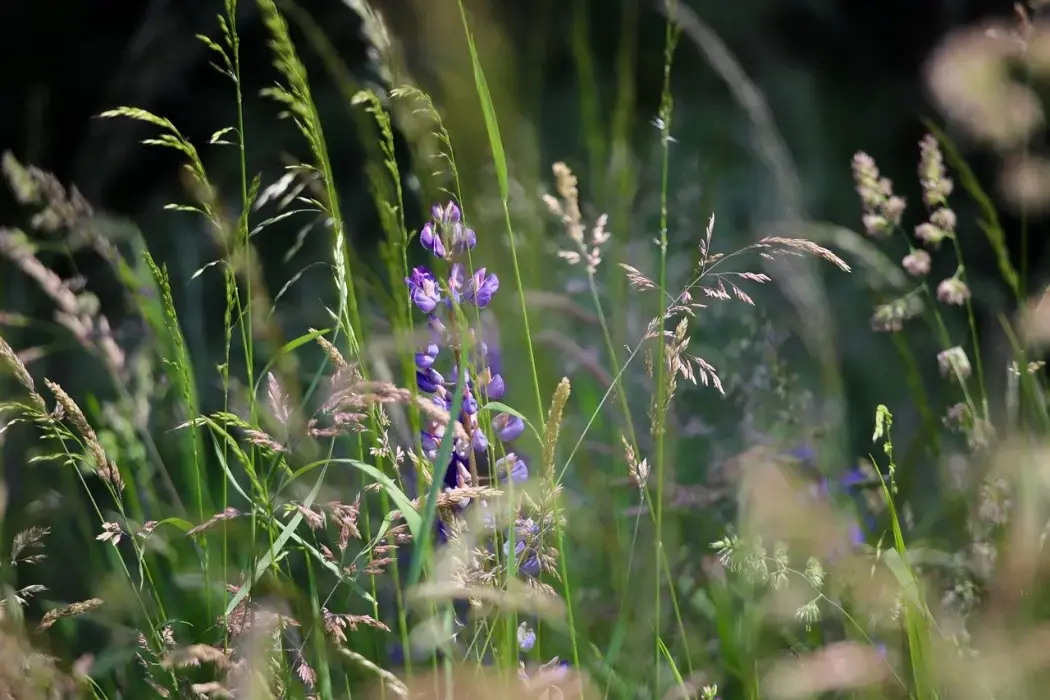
<point>411,502</point>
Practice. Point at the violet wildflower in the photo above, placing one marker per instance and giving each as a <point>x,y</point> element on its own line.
<point>447,215</point>
<point>513,468</point>
<point>431,240</point>
<point>423,288</point>
<point>429,380</point>
<point>482,288</point>
<point>494,388</point>
<point>463,239</point>
<point>526,637</point>
<point>507,427</point>
<point>479,441</point>
<point>425,360</point>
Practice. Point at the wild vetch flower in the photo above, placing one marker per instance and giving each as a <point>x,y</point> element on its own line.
<point>423,289</point>
<point>526,637</point>
<point>429,380</point>
<point>954,360</point>
<point>448,222</point>
<point>508,427</point>
<point>425,360</point>
<point>514,468</point>
<point>431,240</point>
<point>447,215</point>
<point>482,288</point>
<point>953,291</point>
<point>917,263</point>
<point>463,238</point>
<point>494,388</point>
<point>479,441</point>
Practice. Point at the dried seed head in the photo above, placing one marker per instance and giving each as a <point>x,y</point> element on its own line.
<point>76,417</point>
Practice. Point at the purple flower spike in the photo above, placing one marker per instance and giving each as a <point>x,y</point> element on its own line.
<point>480,442</point>
<point>482,287</point>
<point>508,427</point>
<point>470,404</point>
<point>513,468</point>
<point>423,289</point>
<point>495,388</point>
<point>431,240</point>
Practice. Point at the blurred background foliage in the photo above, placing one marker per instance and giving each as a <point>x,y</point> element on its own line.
<point>572,80</point>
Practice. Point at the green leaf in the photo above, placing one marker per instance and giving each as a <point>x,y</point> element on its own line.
<point>184,525</point>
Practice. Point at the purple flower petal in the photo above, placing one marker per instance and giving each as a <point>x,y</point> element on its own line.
<point>423,289</point>
<point>514,468</point>
<point>456,279</point>
<point>495,388</point>
<point>508,427</point>
<point>526,638</point>
<point>480,442</point>
<point>463,239</point>
<point>425,360</point>
<point>431,240</point>
<point>482,288</point>
<point>429,380</point>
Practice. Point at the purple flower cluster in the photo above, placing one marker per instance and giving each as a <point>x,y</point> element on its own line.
<point>447,238</point>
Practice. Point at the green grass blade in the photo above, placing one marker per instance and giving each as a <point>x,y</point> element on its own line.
<point>488,111</point>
